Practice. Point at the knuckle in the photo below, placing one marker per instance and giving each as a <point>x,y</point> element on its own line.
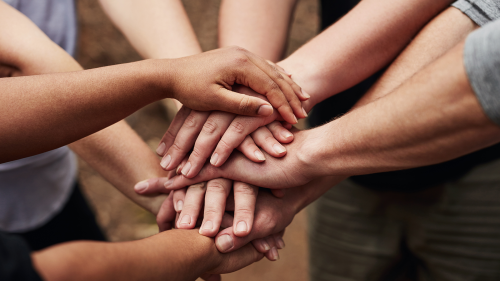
<point>196,152</point>
<point>244,212</point>
<point>237,127</point>
<point>269,139</point>
<point>240,58</point>
<point>169,136</point>
<point>199,187</point>
<point>210,127</point>
<point>245,104</point>
<point>246,190</point>
<point>216,186</point>
<point>224,146</point>
<point>176,147</point>
<point>190,121</point>
<point>272,86</point>
<point>211,212</point>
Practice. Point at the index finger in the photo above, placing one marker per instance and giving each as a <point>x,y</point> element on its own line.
<point>286,89</point>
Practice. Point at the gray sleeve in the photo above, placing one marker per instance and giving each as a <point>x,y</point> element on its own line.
<point>482,63</point>
<point>479,11</point>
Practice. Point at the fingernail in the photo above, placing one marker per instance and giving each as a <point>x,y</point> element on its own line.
<point>180,204</point>
<point>259,155</point>
<point>241,227</point>
<point>186,219</point>
<point>274,254</point>
<point>214,159</point>
<point>295,118</point>
<point>279,148</point>
<point>265,110</point>
<point>141,186</point>
<point>165,161</point>
<point>208,225</point>
<point>304,111</point>
<point>168,183</point>
<point>161,149</point>
<point>186,169</point>
<point>306,95</point>
<point>281,243</point>
<point>178,171</point>
<point>265,245</point>
<point>224,243</point>
<point>286,134</point>
<point>287,73</point>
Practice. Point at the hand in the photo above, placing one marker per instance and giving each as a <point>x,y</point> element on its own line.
<point>223,132</point>
<point>294,169</point>
<point>204,82</point>
<point>214,194</point>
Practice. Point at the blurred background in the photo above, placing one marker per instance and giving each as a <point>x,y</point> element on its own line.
<point>101,44</point>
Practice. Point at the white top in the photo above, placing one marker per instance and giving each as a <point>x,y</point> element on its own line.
<point>34,189</point>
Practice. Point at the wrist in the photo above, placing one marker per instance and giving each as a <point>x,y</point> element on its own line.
<point>310,153</point>
<point>305,75</point>
<point>159,75</point>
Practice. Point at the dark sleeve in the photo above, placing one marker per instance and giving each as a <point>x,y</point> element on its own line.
<point>15,260</point>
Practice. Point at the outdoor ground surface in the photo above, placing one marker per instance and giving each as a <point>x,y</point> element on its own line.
<point>101,44</point>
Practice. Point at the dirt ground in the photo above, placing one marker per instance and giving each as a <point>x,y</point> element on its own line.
<point>100,44</point>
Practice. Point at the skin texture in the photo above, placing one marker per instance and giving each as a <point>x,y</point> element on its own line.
<point>258,25</point>
<point>344,52</point>
<point>100,97</point>
<point>171,255</point>
<point>437,116</point>
<point>153,26</point>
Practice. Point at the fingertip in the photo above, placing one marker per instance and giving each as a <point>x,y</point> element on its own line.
<point>141,186</point>
<point>261,246</point>
<point>265,110</point>
<point>279,150</point>
<point>161,149</point>
<point>241,229</point>
<point>260,156</point>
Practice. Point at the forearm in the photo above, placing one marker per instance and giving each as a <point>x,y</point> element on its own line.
<point>170,255</point>
<point>433,117</point>
<point>435,39</point>
<point>123,159</point>
<point>260,26</point>
<point>71,105</point>
<point>156,28</point>
<point>358,45</point>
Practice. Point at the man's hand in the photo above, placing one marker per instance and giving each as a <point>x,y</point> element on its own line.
<point>222,132</point>
<point>204,82</point>
<point>293,170</point>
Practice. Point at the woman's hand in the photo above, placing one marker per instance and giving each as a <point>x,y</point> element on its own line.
<point>204,82</point>
<point>216,135</point>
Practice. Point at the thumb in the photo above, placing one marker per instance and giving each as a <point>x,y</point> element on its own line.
<point>238,259</point>
<point>242,104</point>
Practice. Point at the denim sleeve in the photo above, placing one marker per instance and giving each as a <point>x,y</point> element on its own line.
<point>482,63</point>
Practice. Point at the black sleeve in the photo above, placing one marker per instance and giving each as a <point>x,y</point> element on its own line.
<point>15,260</point>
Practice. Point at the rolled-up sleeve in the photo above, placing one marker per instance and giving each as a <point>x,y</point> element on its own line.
<point>482,63</point>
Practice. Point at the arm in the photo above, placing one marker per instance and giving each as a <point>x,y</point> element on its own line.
<point>433,117</point>
<point>435,39</point>
<point>115,160</point>
<point>171,255</point>
<point>91,100</point>
<point>156,28</point>
<point>362,42</point>
<point>260,26</point>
